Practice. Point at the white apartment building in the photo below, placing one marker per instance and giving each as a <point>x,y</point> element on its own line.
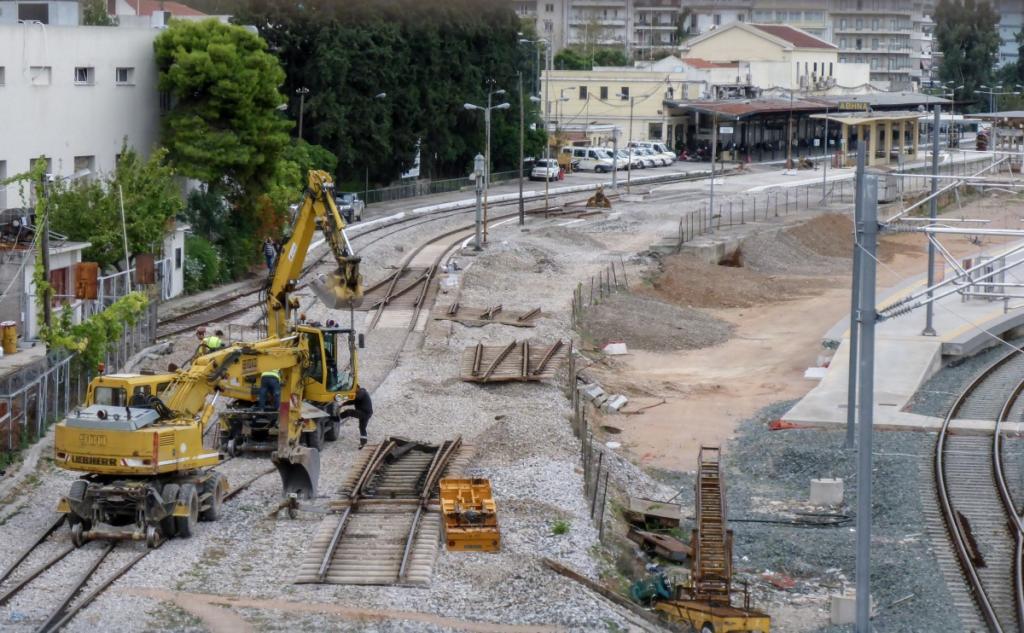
<point>1011,22</point>
<point>73,94</point>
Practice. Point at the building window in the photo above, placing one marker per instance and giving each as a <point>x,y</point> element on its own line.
<point>59,283</point>
<point>85,164</point>
<point>830,69</point>
<point>549,8</point>
<point>717,19</point>
<point>860,24</point>
<point>549,26</point>
<point>842,42</point>
<point>177,258</point>
<point>654,131</point>
<point>874,43</point>
<point>34,12</point>
<point>624,93</point>
<point>124,76</point>
<point>604,92</point>
<point>39,75</point>
<point>874,24</point>
<point>3,188</point>
<point>85,75</point>
<point>3,76</point>
<point>583,92</point>
<point>842,23</point>
<point>739,18</point>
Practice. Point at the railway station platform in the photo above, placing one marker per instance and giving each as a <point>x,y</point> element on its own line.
<point>905,359</point>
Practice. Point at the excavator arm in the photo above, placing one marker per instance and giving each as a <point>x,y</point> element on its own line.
<point>235,372</point>
<point>341,289</point>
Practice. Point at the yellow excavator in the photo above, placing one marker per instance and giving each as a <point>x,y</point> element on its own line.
<point>148,475</point>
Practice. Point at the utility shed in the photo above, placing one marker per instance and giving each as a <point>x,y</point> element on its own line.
<point>884,133</point>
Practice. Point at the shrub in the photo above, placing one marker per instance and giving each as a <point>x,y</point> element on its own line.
<point>202,264</point>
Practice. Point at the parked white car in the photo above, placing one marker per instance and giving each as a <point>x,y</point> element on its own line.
<point>544,169</point>
<point>634,159</point>
<point>650,157</point>
<point>595,159</point>
<point>658,148</point>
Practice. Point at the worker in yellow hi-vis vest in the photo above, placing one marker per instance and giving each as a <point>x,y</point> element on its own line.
<point>270,390</point>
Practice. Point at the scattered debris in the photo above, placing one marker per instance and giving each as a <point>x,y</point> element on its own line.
<point>484,316</point>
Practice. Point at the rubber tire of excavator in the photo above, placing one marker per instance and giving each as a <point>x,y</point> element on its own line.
<point>187,525</point>
<point>168,526</point>
<point>315,439</point>
<point>333,430</point>
<point>217,486</point>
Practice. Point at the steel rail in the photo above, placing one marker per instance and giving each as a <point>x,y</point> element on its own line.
<point>954,527</point>
<point>437,466</point>
<point>61,610</point>
<point>1008,504</point>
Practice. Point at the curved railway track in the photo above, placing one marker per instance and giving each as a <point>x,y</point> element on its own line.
<point>976,503</point>
<point>239,303</point>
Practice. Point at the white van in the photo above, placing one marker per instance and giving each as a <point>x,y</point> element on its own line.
<point>659,148</point>
<point>596,159</point>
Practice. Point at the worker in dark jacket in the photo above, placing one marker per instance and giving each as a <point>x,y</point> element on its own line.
<point>363,409</point>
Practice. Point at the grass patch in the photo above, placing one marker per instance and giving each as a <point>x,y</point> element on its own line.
<point>560,527</point>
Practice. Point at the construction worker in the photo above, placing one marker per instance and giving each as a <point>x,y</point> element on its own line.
<point>269,252</point>
<point>363,410</point>
<point>270,390</point>
<point>215,342</point>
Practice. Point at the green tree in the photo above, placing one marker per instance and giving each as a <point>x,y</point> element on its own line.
<point>223,127</point>
<point>94,13</point>
<point>429,57</point>
<point>967,35</point>
<point>571,59</point>
<point>90,210</point>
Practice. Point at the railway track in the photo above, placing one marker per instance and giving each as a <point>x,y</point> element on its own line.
<point>977,507</point>
<point>68,604</point>
<point>240,303</point>
<point>388,527</point>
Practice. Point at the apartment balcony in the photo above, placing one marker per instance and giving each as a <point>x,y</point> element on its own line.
<point>866,30</point>
<point>619,4</point>
<point>645,26</point>
<point>905,50</point>
<point>607,22</point>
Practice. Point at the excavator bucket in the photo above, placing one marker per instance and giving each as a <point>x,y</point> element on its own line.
<point>341,289</point>
<point>299,472</point>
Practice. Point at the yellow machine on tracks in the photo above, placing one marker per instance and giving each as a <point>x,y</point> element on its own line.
<point>148,473</point>
<point>127,389</point>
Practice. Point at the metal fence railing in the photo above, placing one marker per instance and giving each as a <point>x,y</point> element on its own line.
<point>43,392</point>
<point>426,187</point>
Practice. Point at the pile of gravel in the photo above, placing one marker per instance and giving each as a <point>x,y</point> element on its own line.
<point>646,323</point>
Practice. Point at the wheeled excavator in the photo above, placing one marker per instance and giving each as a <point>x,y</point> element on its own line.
<point>148,475</point>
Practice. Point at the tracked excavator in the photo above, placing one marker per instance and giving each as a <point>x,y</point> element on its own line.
<point>147,475</point>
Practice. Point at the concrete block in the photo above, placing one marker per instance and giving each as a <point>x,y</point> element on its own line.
<point>600,400</point>
<point>615,348</point>
<point>844,608</point>
<point>592,391</point>
<point>615,402</point>
<point>826,492</point>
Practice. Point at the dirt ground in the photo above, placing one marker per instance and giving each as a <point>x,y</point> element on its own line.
<point>779,322</point>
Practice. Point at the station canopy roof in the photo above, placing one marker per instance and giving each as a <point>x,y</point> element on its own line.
<point>863,118</point>
<point>884,99</point>
<point>736,109</point>
<point>999,116</point>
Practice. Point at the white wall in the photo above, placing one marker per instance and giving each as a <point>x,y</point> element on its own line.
<point>63,120</point>
<point>65,256</point>
<point>60,12</point>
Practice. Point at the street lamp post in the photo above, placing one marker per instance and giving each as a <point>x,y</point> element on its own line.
<point>548,62</point>
<point>629,146</point>
<point>302,92</point>
<point>487,152</point>
<point>558,107</point>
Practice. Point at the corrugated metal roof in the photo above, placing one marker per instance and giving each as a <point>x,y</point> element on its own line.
<point>742,108</point>
<point>885,99</point>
